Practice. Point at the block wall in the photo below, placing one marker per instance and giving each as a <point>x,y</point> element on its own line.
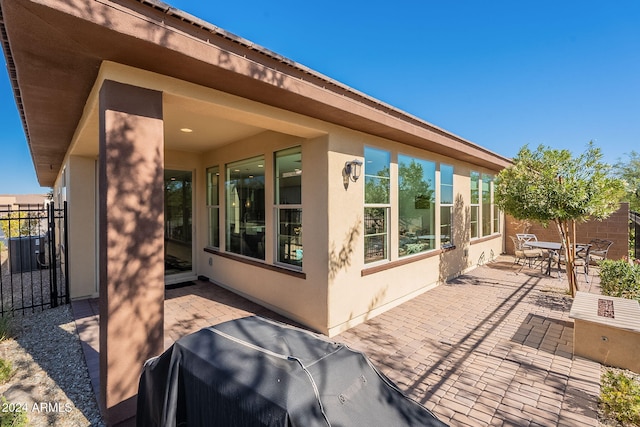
<point>615,228</point>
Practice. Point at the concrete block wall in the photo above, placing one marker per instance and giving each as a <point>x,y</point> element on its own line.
<point>615,228</point>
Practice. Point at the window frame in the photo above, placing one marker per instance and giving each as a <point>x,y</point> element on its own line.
<point>433,205</point>
<point>474,206</point>
<point>256,229</point>
<point>486,203</point>
<point>449,206</point>
<point>384,206</point>
<point>211,206</point>
<point>280,205</point>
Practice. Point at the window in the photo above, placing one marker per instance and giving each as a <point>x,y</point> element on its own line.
<point>416,210</point>
<point>376,204</point>
<point>486,204</point>
<point>475,204</point>
<point>213,205</point>
<point>446,205</point>
<point>496,217</point>
<point>245,207</point>
<point>288,206</point>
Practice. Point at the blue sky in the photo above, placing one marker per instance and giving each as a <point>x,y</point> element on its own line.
<point>501,73</point>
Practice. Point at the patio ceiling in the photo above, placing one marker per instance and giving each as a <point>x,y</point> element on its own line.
<point>55,49</point>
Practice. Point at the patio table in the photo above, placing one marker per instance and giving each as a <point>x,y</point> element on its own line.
<point>551,247</point>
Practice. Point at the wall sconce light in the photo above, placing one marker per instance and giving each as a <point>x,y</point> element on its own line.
<point>353,169</point>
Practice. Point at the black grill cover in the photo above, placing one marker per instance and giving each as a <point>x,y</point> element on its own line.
<point>257,372</point>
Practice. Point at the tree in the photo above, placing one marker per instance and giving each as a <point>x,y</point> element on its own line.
<point>550,185</point>
<point>21,223</point>
<point>629,172</point>
<point>413,189</point>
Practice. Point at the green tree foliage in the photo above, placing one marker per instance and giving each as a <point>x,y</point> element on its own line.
<point>413,189</point>
<point>629,171</point>
<point>377,187</point>
<point>20,223</point>
<point>552,186</point>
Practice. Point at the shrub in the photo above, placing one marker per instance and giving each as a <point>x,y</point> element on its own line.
<point>5,328</point>
<point>6,371</point>
<point>620,279</point>
<point>13,416</point>
<point>620,397</point>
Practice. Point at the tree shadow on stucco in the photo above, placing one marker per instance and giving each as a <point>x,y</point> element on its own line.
<point>454,260</point>
<point>340,259</point>
<point>131,247</point>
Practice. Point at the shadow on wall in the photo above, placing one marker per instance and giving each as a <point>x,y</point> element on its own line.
<point>454,261</point>
<point>341,259</point>
<point>133,215</point>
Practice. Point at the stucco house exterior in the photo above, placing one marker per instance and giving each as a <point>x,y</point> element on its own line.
<point>184,151</point>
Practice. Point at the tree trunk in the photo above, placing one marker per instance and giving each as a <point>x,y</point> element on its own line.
<point>569,254</point>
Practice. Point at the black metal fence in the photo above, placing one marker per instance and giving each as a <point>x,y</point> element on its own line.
<point>33,258</point>
<point>634,233</point>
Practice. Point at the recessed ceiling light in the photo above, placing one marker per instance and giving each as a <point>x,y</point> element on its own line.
<point>186,130</point>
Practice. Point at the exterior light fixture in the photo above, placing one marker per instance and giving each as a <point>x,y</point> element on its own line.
<point>186,130</point>
<point>353,169</point>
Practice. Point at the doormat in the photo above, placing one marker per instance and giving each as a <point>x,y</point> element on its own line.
<point>179,285</point>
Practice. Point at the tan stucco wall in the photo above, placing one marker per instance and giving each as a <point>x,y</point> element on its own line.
<point>355,292</point>
<point>81,208</point>
<point>607,345</point>
<point>131,232</point>
<point>338,290</point>
<point>303,300</point>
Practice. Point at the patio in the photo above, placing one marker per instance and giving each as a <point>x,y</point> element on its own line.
<point>491,347</point>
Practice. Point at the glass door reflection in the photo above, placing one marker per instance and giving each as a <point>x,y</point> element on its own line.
<point>178,209</point>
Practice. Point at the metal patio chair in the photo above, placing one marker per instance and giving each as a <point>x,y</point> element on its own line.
<point>525,253</point>
<point>526,237</point>
<point>583,257</point>
<point>599,249</point>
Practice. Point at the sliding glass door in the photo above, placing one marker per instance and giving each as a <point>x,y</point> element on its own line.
<point>178,225</point>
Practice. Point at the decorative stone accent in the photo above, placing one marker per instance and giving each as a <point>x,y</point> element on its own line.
<point>605,308</point>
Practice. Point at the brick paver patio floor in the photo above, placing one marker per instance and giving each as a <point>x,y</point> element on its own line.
<point>490,348</point>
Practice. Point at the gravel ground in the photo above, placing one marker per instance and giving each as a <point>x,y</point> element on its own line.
<point>50,375</point>
<point>27,288</point>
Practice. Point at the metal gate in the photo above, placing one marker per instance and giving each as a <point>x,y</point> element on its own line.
<point>33,254</point>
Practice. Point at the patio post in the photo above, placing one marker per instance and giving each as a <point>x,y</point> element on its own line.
<point>131,241</point>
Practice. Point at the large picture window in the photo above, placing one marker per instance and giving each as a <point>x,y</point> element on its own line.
<point>376,204</point>
<point>213,205</point>
<point>475,204</point>
<point>288,206</point>
<point>446,205</point>
<point>416,210</point>
<point>486,204</point>
<point>245,207</point>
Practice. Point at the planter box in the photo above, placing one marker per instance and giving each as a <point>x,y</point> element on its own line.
<point>607,330</point>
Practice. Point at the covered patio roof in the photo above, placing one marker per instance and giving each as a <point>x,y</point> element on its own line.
<point>55,50</point>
